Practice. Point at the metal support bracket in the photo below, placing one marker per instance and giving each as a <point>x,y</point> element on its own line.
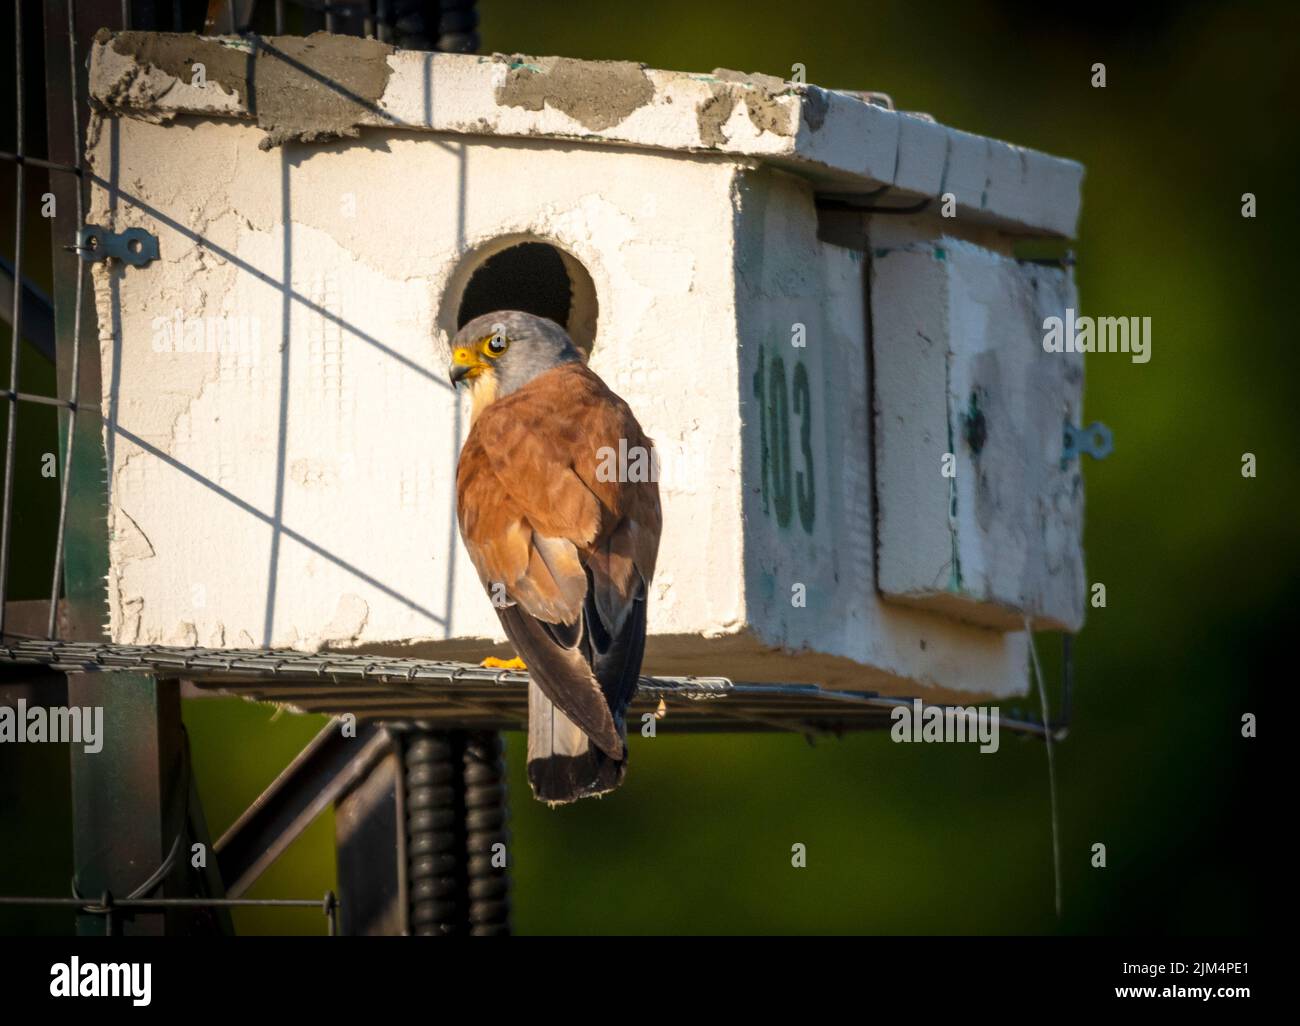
<point>134,246</point>
<point>1096,440</point>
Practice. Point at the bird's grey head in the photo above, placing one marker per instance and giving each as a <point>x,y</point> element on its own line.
<point>500,352</point>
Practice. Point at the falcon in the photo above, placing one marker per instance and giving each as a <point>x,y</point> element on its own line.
<point>563,539</point>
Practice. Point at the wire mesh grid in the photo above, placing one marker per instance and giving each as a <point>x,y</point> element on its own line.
<point>111,909</point>
<point>368,686</point>
<point>458,695</point>
<point>14,396</point>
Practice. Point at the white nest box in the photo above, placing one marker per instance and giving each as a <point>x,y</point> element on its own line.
<point>860,433</point>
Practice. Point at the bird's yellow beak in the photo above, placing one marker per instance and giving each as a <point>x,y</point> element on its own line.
<point>465,365</point>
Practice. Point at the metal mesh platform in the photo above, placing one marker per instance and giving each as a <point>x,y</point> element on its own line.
<point>462,695</point>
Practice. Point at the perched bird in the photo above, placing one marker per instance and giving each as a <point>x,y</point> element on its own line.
<point>563,538</point>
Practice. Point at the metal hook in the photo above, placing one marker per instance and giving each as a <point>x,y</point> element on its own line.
<point>1096,440</point>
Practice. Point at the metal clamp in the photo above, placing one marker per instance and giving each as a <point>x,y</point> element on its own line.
<point>1096,440</point>
<point>134,246</point>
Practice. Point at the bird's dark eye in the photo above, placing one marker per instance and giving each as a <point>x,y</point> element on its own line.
<point>497,344</point>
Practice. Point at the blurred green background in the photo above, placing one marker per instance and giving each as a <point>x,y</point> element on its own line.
<point>1199,107</point>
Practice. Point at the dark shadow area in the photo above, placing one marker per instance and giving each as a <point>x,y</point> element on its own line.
<point>530,277</point>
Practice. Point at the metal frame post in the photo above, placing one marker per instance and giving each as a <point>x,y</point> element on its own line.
<point>127,811</point>
<point>134,820</point>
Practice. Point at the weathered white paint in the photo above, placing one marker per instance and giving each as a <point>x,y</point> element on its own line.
<point>836,139</point>
<point>299,491</point>
<point>815,528</point>
<point>368,551</point>
<point>960,369</point>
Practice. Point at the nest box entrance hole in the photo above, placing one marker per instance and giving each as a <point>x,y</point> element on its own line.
<point>533,276</point>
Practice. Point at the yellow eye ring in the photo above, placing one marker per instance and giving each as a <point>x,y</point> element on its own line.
<point>495,345</point>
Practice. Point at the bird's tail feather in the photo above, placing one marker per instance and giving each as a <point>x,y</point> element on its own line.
<point>563,764</point>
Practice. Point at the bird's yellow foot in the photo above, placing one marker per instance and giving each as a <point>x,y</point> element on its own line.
<point>493,663</point>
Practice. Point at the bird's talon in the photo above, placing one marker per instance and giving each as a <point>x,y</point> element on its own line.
<point>493,663</point>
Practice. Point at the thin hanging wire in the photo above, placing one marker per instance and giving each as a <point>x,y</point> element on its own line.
<point>6,521</point>
<point>74,389</point>
<point>1051,769</point>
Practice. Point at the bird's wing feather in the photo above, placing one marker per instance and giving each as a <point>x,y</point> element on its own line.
<point>574,551</point>
<point>564,677</point>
